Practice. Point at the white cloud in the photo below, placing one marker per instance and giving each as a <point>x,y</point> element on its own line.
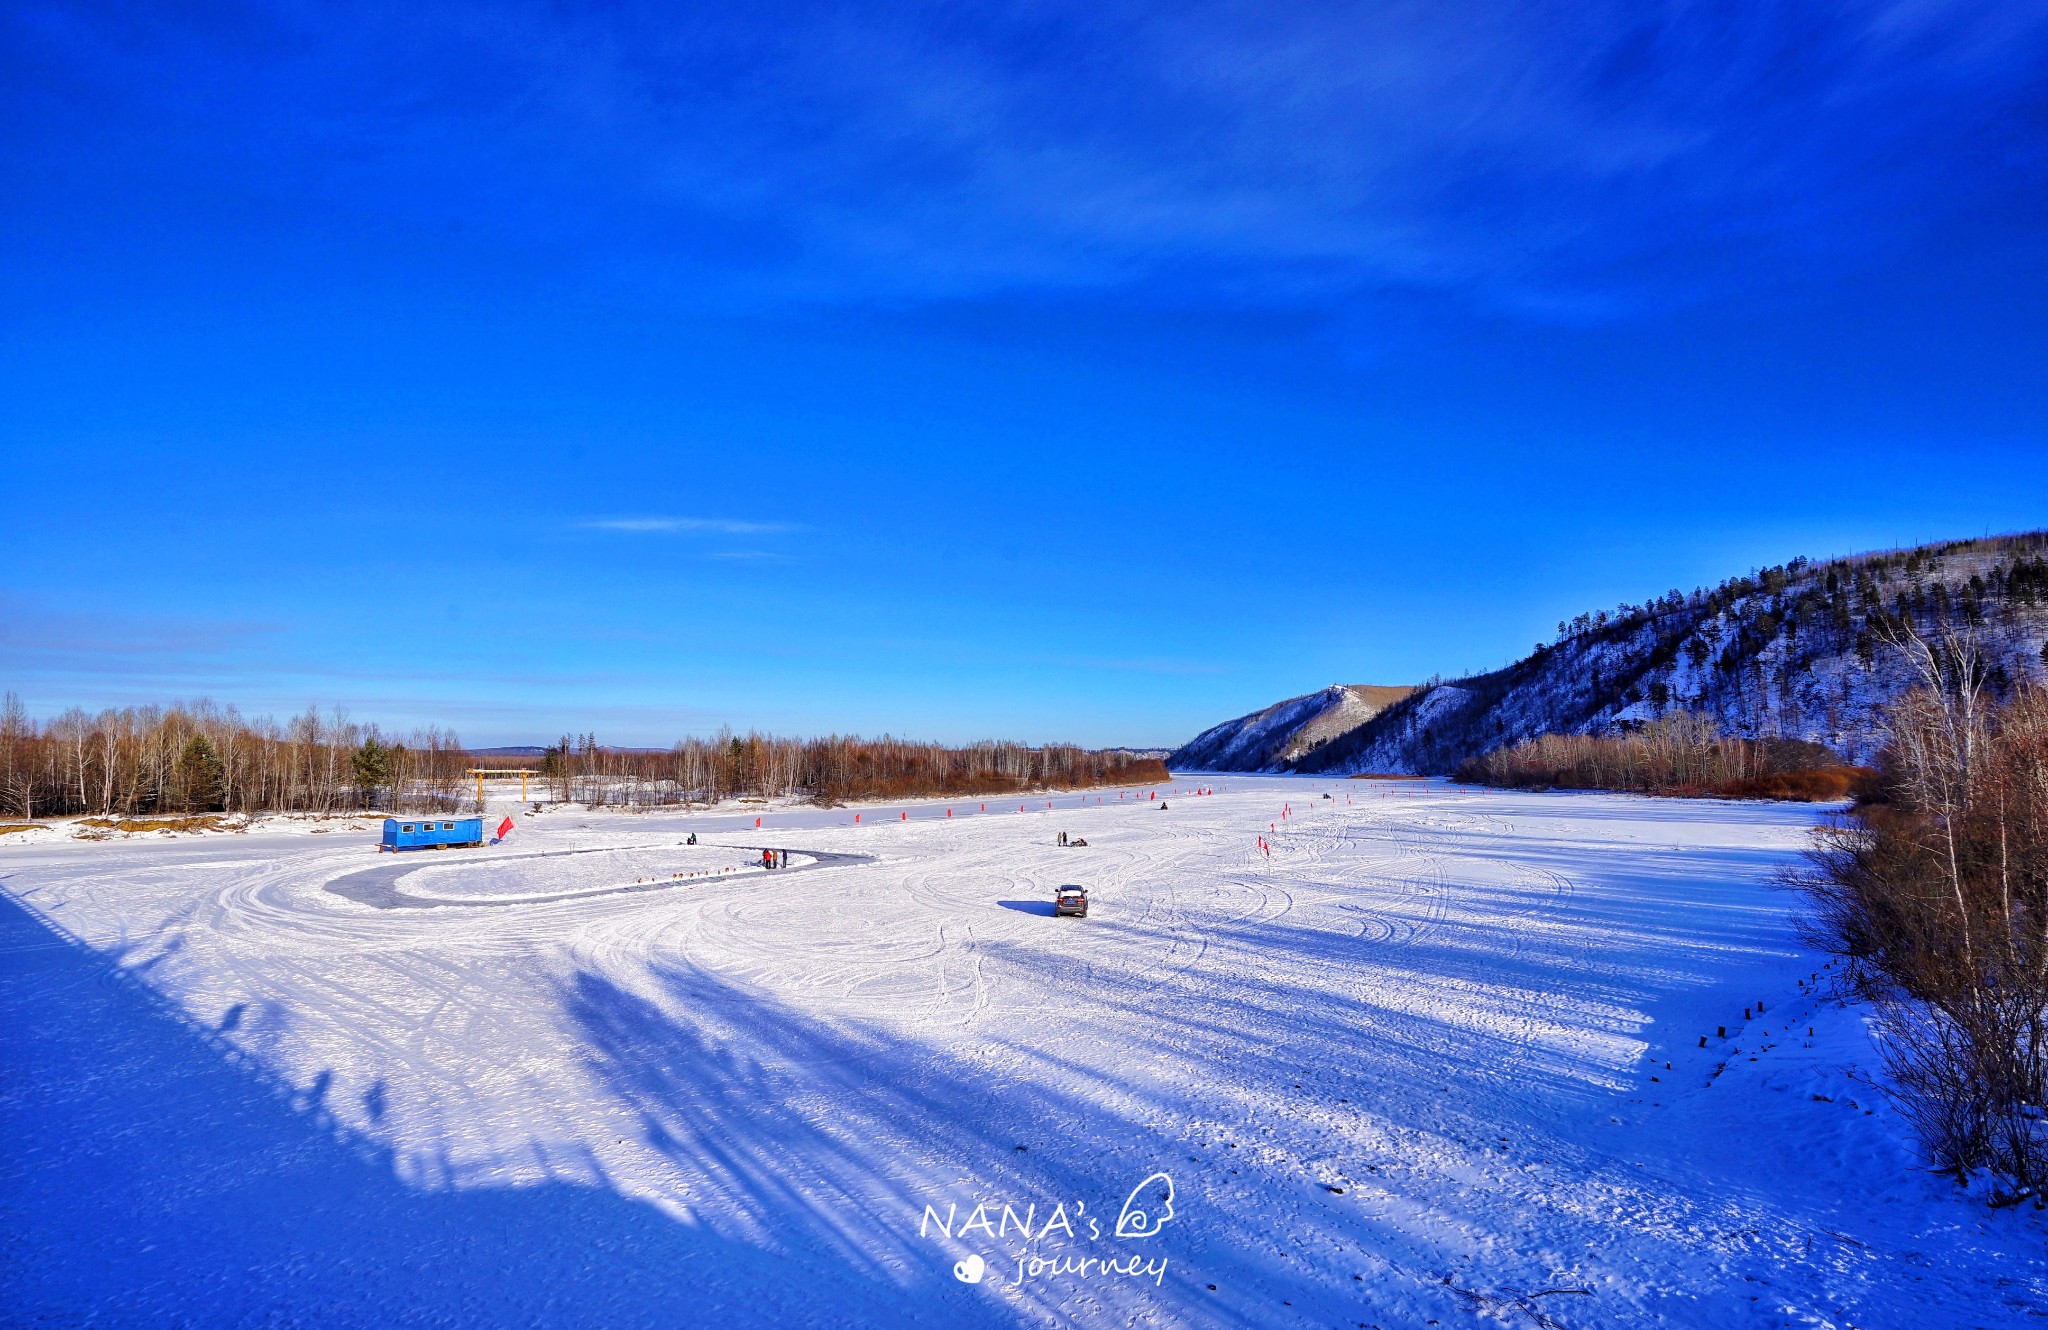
<point>677,525</point>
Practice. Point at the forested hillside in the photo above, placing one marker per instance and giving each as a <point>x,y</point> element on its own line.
<point>1798,651</point>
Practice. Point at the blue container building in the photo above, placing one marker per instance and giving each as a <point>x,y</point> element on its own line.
<point>430,833</point>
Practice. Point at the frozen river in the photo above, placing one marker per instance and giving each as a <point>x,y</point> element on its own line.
<point>1429,1053</point>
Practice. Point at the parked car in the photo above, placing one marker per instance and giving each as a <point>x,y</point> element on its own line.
<point>1070,900</point>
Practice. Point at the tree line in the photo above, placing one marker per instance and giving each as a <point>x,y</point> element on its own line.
<point>1893,584</point>
<point>198,757</point>
<point>828,770</point>
<point>192,758</point>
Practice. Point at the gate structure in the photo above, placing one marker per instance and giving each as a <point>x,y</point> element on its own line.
<point>481,772</point>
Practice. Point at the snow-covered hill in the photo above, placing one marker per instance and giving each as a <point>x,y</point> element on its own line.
<point>1271,739</point>
<point>1798,651</point>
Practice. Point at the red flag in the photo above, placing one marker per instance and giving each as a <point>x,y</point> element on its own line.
<point>504,828</point>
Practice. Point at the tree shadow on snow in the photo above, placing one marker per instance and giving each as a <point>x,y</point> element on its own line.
<point>155,1175</point>
<point>827,1141</point>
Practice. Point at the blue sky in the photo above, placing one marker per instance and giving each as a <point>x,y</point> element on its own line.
<point>1047,371</point>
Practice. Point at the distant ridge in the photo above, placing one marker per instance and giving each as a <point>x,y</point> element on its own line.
<point>1796,651</point>
<point>1272,739</point>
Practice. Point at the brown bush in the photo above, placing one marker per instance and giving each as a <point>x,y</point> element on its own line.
<point>1681,755</point>
<point>1816,785</point>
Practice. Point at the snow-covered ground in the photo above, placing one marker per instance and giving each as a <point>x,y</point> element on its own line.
<point>1436,1060</point>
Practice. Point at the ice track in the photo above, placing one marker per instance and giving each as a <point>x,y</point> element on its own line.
<point>384,887</point>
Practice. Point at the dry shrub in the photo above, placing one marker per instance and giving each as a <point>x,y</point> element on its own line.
<point>1936,896</point>
<point>1816,785</point>
<point>1681,754</point>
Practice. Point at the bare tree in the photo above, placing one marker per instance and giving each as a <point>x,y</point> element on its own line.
<point>1937,899</point>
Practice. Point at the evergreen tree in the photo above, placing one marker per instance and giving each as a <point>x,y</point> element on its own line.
<point>202,781</point>
<point>371,766</point>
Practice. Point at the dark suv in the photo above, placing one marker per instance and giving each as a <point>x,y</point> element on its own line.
<point>1070,900</point>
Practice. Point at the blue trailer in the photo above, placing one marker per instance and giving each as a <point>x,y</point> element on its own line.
<point>430,833</point>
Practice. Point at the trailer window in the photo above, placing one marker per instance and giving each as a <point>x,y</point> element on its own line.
<point>407,828</point>
<point>447,826</point>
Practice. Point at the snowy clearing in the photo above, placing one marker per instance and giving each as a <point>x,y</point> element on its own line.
<point>1434,1061</point>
